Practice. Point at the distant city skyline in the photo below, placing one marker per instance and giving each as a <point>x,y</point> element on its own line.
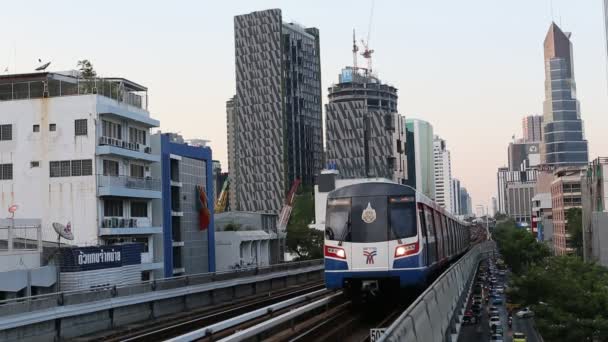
<point>473,88</point>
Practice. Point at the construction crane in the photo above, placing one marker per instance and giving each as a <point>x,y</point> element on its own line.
<point>289,200</point>
<point>355,50</point>
<point>222,199</point>
<point>367,52</point>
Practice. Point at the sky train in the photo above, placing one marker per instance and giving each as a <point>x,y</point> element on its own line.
<point>388,235</point>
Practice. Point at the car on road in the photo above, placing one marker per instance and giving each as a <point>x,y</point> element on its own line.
<point>497,301</point>
<point>524,313</point>
<point>469,318</point>
<point>496,338</point>
<point>519,337</point>
<point>497,330</point>
<point>493,311</point>
<point>499,289</point>
<point>494,320</point>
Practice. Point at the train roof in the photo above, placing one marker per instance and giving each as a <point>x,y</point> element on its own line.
<point>385,188</point>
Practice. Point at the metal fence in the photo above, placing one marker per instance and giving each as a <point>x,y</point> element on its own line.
<point>45,301</point>
<point>129,182</point>
<point>16,236</point>
<point>434,314</point>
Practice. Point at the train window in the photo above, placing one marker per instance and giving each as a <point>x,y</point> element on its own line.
<point>422,220</point>
<point>430,231</point>
<point>440,235</point>
<point>369,219</point>
<point>402,217</point>
<point>336,219</point>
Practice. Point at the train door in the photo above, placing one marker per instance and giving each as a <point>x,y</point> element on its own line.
<point>431,235</point>
<point>440,236</point>
<point>369,238</point>
<point>424,237</point>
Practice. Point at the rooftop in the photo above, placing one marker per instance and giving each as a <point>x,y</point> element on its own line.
<point>69,83</point>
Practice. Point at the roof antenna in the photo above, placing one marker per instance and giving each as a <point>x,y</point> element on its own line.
<point>43,66</point>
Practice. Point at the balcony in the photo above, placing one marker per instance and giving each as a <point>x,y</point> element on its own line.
<point>111,146</point>
<point>126,186</point>
<point>127,226</point>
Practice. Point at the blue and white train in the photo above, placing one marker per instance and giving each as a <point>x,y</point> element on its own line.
<point>387,234</point>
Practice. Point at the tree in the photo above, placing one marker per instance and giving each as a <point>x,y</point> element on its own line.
<point>569,297</point>
<point>86,69</point>
<point>518,246</point>
<point>574,227</point>
<point>306,243</point>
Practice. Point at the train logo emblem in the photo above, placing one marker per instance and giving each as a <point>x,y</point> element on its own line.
<point>369,214</point>
<point>369,253</point>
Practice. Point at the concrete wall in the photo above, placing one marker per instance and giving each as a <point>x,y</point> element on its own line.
<point>436,314</point>
<point>59,199</point>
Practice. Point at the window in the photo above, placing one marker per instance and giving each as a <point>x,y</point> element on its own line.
<point>6,132</point>
<point>139,209</point>
<point>375,231</point>
<point>36,128</point>
<point>110,168</point>
<point>137,171</point>
<point>76,167</point>
<point>65,168</point>
<point>112,208</point>
<point>55,169</point>
<point>402,216</point>
<point>6,171</point>
<point>87,167</point>
<point>34,164</point>
<point>80,127</point>
<point>52,127</point>
<point>111,130</point>
<point>137,136</point>
<point>337,219</point>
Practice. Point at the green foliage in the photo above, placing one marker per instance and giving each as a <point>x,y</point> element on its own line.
<point>306,243</point>
<point>518,246</point>
<point>574,227</point>
<point>232,227</point>
<point>86,69</point>
<point>569,297</point>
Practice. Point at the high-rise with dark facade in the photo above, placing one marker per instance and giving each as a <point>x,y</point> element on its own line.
<point>277,110</point>
<point>365,133</point>
<point>564,143</point>
<point>532,128</point>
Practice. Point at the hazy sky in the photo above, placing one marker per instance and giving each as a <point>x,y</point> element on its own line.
<point>473,68</point>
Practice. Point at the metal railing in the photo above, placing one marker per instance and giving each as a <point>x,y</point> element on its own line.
<point>49,87</point>
<point>50,300</point>
<point>129,182</point>
<point>20,238</point>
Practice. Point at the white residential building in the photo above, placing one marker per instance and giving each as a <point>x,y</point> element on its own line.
<point>443,174</point>
<point>76,150</point>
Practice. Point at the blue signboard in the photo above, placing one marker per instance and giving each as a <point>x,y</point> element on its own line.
<point>77,259</point>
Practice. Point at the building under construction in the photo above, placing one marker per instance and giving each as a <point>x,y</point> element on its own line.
<point>365,133</point>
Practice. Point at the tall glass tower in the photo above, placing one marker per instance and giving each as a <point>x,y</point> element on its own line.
<point>564,142</point>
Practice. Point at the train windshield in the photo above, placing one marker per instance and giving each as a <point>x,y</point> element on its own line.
<point>337,220</point>
<point>369,219</point>
<point>402,212</point>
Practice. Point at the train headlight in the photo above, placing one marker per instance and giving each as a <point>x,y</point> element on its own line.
<point>340,253</point>
<point>409,249</point>
<point>335,252</point>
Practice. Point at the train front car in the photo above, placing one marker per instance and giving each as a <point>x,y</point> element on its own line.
<point>372,237</point>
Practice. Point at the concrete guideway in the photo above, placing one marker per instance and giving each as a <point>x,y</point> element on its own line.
<point>264,326</point>
<point>437,313</point>
<point>80,316</point>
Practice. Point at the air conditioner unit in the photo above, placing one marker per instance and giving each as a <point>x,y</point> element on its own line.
<point>148,149</point>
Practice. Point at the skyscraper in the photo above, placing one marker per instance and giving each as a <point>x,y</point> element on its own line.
<point>277,109</point>
<point>563,140</point>
<point>365,133</point>
<point>443,174</point>
<point>456,196</point>
<point>421,164</point>
<point>532,128</point>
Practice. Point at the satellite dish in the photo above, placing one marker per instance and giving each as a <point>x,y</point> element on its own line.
<point>13,208</point>
<point>64,231</point>
<point>43,66</point>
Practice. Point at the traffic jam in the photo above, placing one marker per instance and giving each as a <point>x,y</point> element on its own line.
<point>489,315</point>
